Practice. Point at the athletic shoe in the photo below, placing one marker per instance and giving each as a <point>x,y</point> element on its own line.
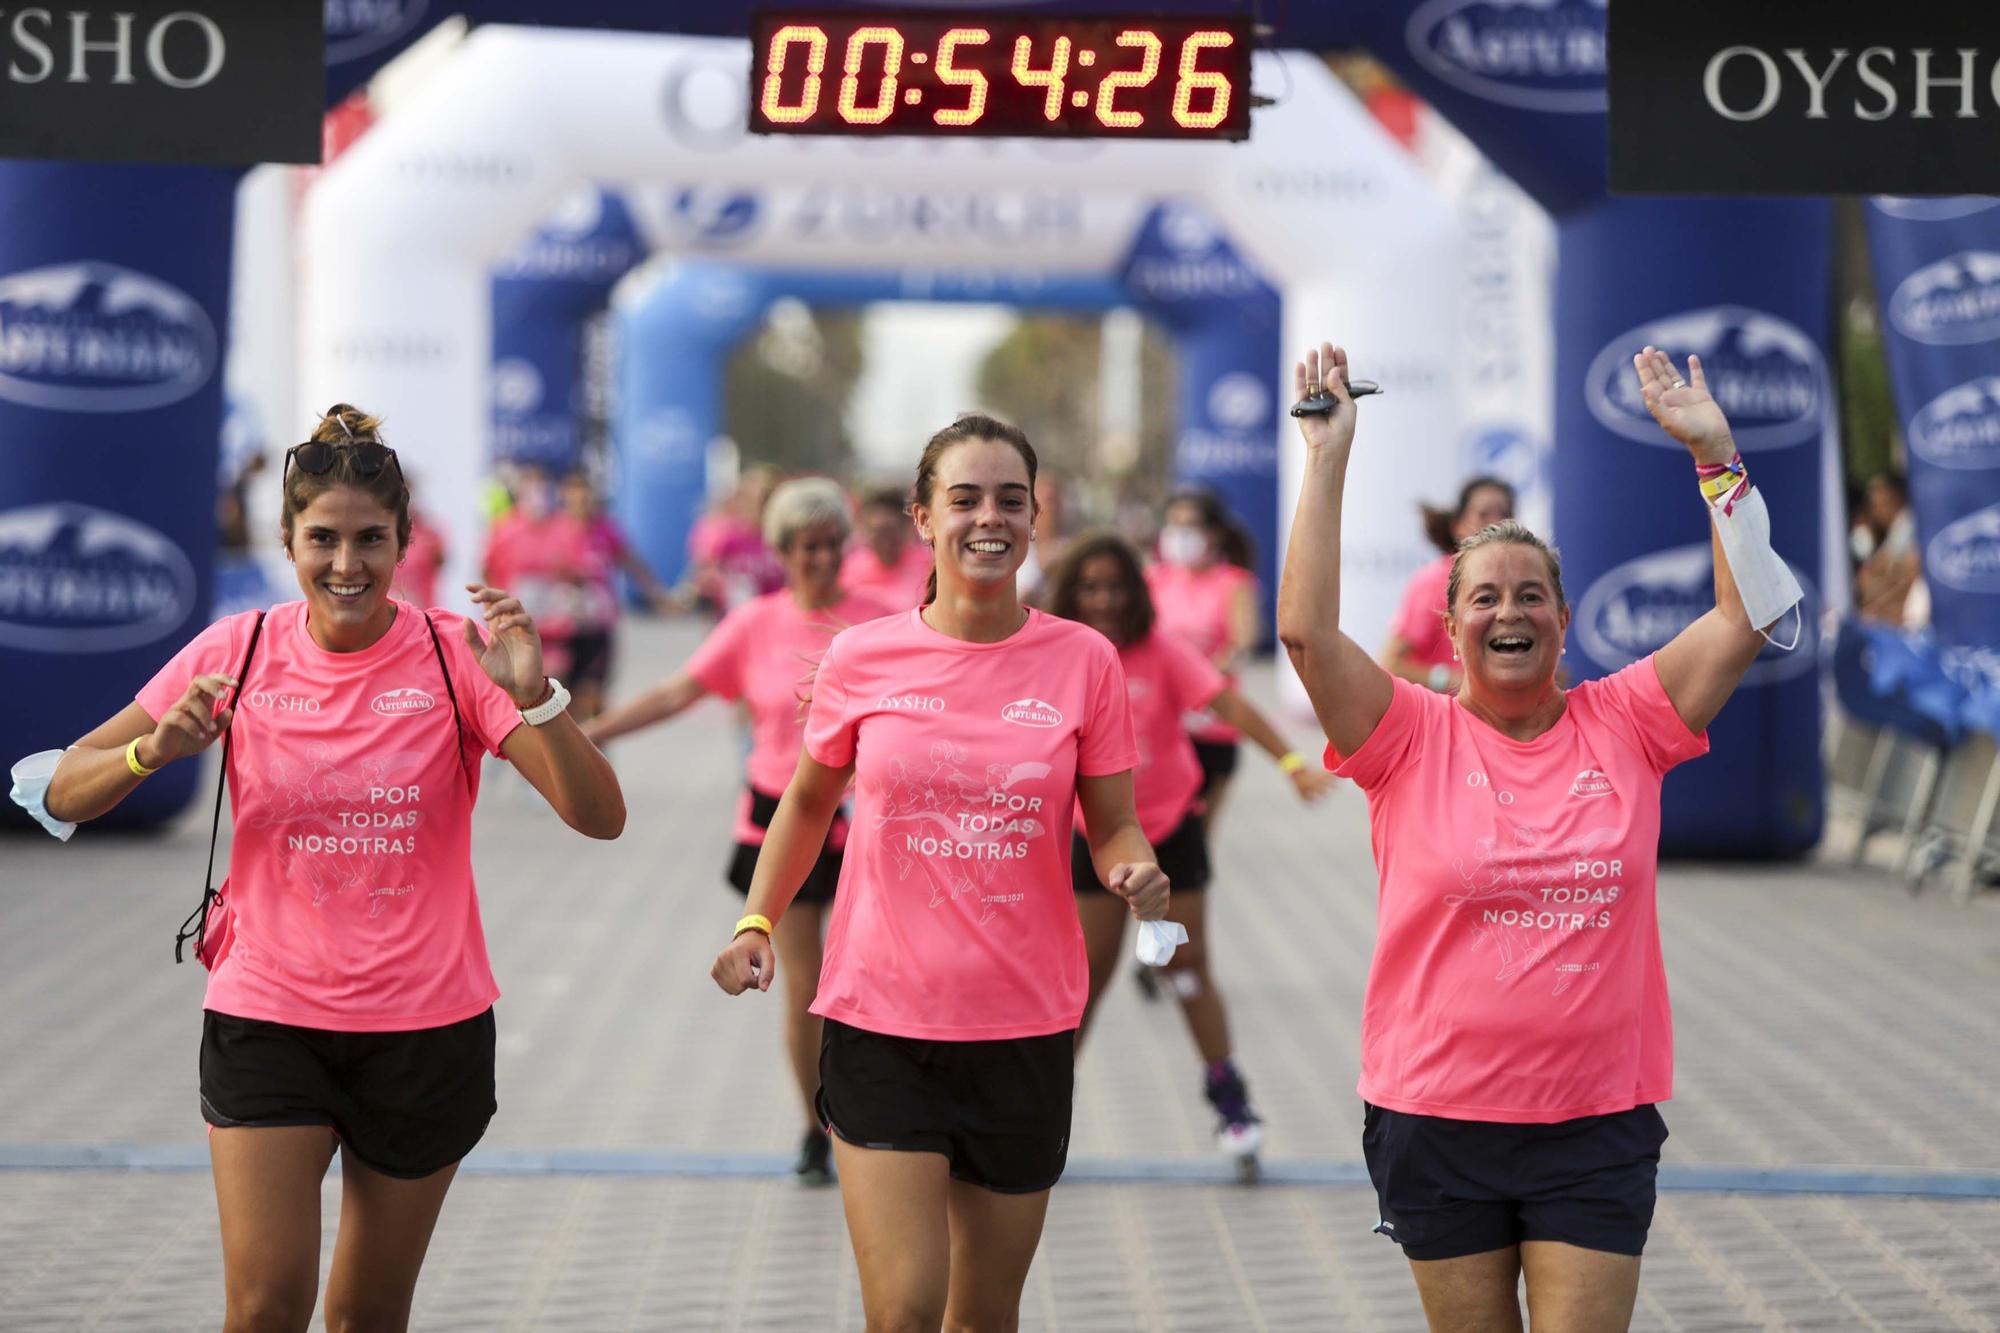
<point>1240,1132</point>
<point>815,1164</point>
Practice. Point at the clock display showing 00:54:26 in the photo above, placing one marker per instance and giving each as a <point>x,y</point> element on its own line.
<point>1118,77</point>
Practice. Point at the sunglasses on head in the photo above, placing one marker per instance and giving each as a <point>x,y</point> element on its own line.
<point>366,457</point>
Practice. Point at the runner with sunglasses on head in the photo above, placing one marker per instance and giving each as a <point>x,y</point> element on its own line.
<point>1101,583</point>
<point>955,974</point>
<point>763,654</point>
<point>1418,648</point>
<point>1516,1033</point>
<point>350,1001</point>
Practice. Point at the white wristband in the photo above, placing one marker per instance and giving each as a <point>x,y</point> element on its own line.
<point>549,708</point>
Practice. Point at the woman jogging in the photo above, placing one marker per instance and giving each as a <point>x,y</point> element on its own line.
<point>955,974</point>
<point>1418,648</point>
<point>349,1001</point>
<point>1101,583</point>
<point>763,654</point>
<point>1516,1031</point>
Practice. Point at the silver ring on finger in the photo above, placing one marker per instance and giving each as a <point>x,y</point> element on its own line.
<point>1680,384</point>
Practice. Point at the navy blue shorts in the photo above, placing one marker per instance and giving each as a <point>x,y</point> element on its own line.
<point>1449,1188</point>
<point>1218,762</point>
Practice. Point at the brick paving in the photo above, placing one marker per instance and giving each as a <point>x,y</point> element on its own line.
<point>1824,1018</point>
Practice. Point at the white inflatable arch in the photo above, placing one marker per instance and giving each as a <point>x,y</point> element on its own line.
<point>400,234</point>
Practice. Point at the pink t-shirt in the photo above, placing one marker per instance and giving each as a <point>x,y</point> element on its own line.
<point>1195,604</point>
<point>417,574</point>
<point>544,562</point>
<point>765,652</point>
<point>604,548</point>
<point>1419,621</point>
<point>902,584</point>
<point>350,876</point>
<point>955,919</point>
<point>1165,679</point>
<point>1517,972</point>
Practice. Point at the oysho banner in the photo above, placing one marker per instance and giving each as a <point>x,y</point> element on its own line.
<point>1834,97</point>
<point>200,82</point>
<point>1937,268</point>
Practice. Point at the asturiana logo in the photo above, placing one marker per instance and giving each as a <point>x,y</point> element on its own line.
<point>1960,428</point>
<point>1032,713</point>
<point>1933,210</point>
<point>1765,372</point>
<point>1952,302</point>
<point>910,703</point>
<point>396,703</point>
<point>1966,554</point>
<point>355,28</point>
<point>590,238</point>
<point>95,337</point>
<point>709,216</point>
<point>1590,782</point>
<point>75,579</point>
<point>1539,55</point>
<point>1634,608</point>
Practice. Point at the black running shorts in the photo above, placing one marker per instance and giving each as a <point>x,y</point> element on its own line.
<point>821,880</point>
<point>1218,762</point>
<point>406,1103</point>
<point>998,1111</point>
<point>1449,1188</point>
<point>1183,857</point>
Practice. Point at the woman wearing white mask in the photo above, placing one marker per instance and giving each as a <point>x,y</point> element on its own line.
<point>1210,601</point>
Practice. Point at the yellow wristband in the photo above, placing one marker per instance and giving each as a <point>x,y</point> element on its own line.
<point>1714,488</point>
<point>1290,762</point>
<point>753,922</point>
<point>132,760</point>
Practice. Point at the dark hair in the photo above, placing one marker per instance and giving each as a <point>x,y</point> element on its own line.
<point>1236,546</point>
<point>1088,546</point>
<point>343,425</point>
<point>969,426</point>
<point>1214,515</point>
<point>1507,532</point>
<point>1438,523</point>
<point>886,496</point>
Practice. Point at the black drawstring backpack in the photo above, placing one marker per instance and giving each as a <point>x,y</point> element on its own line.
<point>195,927</point>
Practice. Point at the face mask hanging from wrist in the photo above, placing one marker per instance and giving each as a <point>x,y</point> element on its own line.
<point>1763,580</point>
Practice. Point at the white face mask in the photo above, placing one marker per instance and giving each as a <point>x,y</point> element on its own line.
<point>1183,545</point>
<point>1763,579</point>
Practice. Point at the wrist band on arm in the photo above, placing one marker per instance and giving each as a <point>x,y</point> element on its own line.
<point>760,924</point>
<point>132,760</point>
<point>1290,762</point>
<point>1724,483</point>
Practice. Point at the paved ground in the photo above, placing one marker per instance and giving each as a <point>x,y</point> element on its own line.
<point>632,1179</point>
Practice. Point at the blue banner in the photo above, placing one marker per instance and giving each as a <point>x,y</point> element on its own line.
<point>1743,283</point>
<point>1937,268</point>
<point>111,344</point>
<point>543,298</point>
<point>1183,272</point>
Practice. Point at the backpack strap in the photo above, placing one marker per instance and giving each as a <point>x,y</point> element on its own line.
<point>457,726</point>
<point>196,925</point>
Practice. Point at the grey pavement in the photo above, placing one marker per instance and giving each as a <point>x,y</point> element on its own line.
<point>634,1176</point>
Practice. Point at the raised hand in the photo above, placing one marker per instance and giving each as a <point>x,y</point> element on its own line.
<point>511,653</point>
<point>192,724</point>
<point>1683,407</point>
<point>1143,886</point>
<point>1325,367</point>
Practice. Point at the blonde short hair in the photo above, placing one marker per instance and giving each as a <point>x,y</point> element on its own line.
<point>807,502</point>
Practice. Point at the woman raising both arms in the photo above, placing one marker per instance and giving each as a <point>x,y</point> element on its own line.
<point>1516,1033</point>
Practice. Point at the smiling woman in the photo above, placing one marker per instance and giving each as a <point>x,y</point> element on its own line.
<point>349,1002</point>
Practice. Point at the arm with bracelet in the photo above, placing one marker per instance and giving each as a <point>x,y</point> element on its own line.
<point>791,845</point>
<point>1754,588</point>
<point>1309,780</point>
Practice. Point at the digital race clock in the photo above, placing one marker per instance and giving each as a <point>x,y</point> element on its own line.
<point>876,73</point>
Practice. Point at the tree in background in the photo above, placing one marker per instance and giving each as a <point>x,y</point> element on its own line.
<point>787,387</point>
<point>1044,377</point>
